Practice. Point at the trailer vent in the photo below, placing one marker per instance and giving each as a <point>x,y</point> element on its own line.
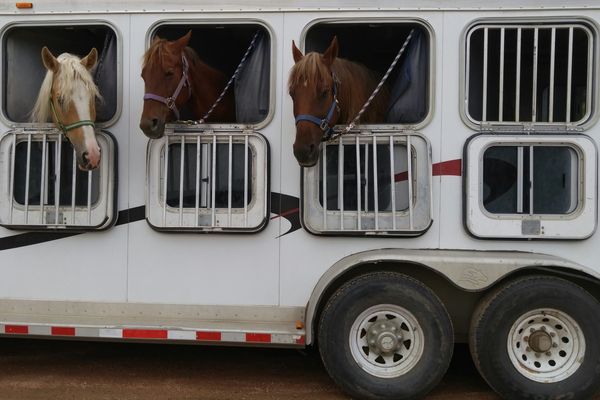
<point>208,182</point>
<point>42,187</point>
<point>529,74</point>
<point>370,183</point>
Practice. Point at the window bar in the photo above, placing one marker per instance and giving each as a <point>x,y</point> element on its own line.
<point>590,64</point>
<point>375,182</point>
<point>324,172</point>
<point>520,171</point>
<point>89,198</point>
<point>198,146</point>
<point>213,178</point>
<point>166,175</point>
<point>392,182</point>
<point>43,179</point>
<point>57,180</point>
<point>73,185</point>
<point>569,74</point>
<point>534,77</point>
<point>552,61</point>
<point>501,84</point>
<point>229,173</point>
<point>410,182</point>
<point>518,78</point>
<point>27,172</point>
<point>531,180</point>
<point>12,175</point>
<point>366,191</point>
<point>485,72</point>
<point>246,181</point>
<point>181,173</point>
<point>341,182</point>
<point>358,181</point>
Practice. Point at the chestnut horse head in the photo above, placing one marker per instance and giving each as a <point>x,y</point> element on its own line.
<point>327,90</point>
<point>173,77</point>
<point>68,95</point>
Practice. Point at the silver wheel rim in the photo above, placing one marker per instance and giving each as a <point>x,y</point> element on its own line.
<point>386,340</point>
<point>546,345</point>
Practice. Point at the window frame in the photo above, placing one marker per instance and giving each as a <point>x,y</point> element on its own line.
<point>63,23</point>
<point>159,214</point>
<point>578,224</point>
<point>312,213</point>
<point>545,22</point>
<point>387,20</point>
<point>104,212</point>
<point>272,79</point>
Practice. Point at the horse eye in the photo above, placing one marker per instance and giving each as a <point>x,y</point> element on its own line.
<point>169,73</point>
<point>324,93</point>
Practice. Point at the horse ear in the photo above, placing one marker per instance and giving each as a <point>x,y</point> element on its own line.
<point>331,52</point>
<point>184,40</point>
<point>155,39</point>
<point>50,62</point>
<point>90,60</point>
<point>296,52</point>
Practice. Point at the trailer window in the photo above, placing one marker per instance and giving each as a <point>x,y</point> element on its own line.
<point>222,47</point>
<point>44,188</point>
<point>529,73</point>
<point>536,187</point>
<point>370,184</point>
<point>24,70</point>
<point>219,185</point>
<point>375,44</point>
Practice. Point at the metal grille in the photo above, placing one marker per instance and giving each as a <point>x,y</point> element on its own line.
<point>370,184</point>
<point>46,190</point>
<point>529,73</point>
<point>208,181</point>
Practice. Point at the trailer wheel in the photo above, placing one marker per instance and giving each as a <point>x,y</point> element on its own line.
<point>537,337</point>
<point>385,336</point>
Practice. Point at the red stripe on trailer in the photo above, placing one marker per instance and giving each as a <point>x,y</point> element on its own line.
<point>144,334</point>
<point>258,337</point>
<point>208,336</point>
<point>62,331</point>
<point>16,329</point>
<point>451,167</point>
<point>301,340</point>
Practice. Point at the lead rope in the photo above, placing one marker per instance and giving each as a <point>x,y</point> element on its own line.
<point>368,102</point>
<point>235,74</point>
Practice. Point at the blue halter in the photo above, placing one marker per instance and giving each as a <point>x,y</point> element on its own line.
<point>324,123</point>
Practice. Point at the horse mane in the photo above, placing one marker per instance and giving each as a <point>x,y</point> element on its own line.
<point>355,83</point>
<point>70,74</point>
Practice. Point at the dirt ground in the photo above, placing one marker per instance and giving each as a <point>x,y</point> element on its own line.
<point>50,369</point>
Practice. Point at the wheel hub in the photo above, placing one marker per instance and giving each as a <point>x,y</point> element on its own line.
<point>540,341</point>
<point>384,337</point>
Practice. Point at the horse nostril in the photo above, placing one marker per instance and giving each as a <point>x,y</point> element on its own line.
<point>312,147</point>
<point>154,123</point>
<point>85,158</point>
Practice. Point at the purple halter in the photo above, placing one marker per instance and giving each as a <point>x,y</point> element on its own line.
<point>170,101</point>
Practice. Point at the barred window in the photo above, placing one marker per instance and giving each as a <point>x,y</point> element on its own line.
<point>529,73</point>
<point>370,184</point>
<point>220,183</point>
<point>46,190</point>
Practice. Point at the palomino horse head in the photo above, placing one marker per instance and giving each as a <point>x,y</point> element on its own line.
<point>68,95</point>
<point>313,88</point>
<point>167,87</point>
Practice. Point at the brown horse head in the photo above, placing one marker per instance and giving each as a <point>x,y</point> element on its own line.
<point>163,73</point>
<point>312,86</point>
<point>68,96</point>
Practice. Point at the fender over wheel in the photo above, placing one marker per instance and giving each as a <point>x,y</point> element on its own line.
<point>385,335</point>
<point>537,337</point>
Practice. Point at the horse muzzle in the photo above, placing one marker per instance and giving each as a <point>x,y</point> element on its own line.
<point>154,128</point>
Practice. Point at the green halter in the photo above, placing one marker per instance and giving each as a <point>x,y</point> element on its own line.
<point>67,128</point>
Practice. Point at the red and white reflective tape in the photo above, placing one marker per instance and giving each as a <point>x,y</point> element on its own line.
<point>206,336</point>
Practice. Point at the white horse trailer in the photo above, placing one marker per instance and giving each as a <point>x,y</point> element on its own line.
<point>469,214</point>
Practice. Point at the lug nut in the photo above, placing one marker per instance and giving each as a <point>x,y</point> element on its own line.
<point>526,338</point>
<point>555,345</point>
<point>552,334</point>
<point>548,353</point>
<point>527,348</point>
<point>531,330</point>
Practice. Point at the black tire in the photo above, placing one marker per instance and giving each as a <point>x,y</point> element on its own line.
<point>424,368</point>
<point>506,314</point>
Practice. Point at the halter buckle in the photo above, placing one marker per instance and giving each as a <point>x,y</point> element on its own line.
<point>170,102</point>
<point>324,125</point>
